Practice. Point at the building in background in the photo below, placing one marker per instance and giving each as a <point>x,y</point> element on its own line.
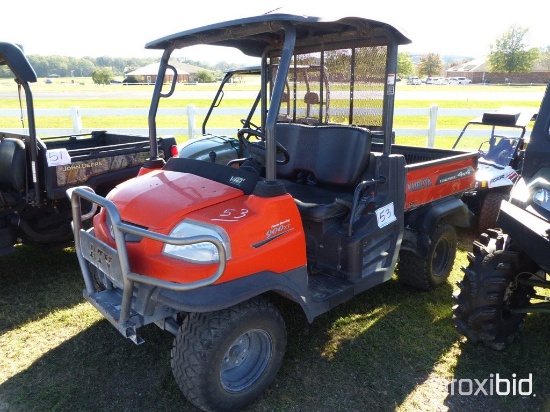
<point>477,71</point>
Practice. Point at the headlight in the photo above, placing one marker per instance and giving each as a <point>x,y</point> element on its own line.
<point>542,198</point>
<point>204,252</point>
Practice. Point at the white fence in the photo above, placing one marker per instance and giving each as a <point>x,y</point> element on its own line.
<point>189,128</point>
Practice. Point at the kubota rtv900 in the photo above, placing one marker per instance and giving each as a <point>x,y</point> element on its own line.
<point>322,208</point>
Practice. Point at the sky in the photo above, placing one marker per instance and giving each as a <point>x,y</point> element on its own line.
<point>121,29</point>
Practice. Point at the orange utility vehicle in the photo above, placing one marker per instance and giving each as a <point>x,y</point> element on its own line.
<point>319,212</point>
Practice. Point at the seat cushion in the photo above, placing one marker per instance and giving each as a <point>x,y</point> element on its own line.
<point>317,204</point>
<point>12,165</point>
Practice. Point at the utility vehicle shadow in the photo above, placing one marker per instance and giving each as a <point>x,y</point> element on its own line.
<point>367,355</point>
<point>99,370</point>
<point>528,356</point>
<point>35,282</point>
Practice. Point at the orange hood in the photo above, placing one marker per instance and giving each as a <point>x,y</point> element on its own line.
<point>161,199</point>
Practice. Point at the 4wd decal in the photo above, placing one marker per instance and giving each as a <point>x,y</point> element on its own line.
<point>455,175</point>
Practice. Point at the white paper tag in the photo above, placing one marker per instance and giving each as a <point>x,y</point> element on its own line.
<point>58,157</point>
<point>385,215</point>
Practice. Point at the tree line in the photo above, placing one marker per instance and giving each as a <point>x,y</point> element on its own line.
<point>64,66</point>
<point>509,54</point>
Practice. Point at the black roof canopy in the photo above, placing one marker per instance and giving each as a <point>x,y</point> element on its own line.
<point>12,55</point>
<point>254,35</point>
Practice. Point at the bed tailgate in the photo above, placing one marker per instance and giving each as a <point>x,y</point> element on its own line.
<point>435,179</point>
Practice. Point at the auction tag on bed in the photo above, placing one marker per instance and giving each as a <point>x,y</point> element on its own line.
<point>58,157</point>
<point>385,215</point>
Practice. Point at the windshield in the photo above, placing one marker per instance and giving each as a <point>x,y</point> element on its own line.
<point>239,86</point>
<point>497,145</point>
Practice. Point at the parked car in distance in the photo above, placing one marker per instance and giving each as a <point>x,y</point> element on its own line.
<point>440,80</point>
<point>414,81</point>
<point>459,80</point>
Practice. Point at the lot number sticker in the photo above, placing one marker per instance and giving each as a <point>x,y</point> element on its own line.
<point>58,157</point>
<point>385,215</point>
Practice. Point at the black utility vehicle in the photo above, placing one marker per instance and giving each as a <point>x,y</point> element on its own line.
<point>35,172</point>
<point>510,263</point>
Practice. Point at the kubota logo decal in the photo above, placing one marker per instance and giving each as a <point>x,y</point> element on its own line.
<point>419,184</point>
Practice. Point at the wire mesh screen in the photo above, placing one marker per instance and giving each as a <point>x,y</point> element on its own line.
<point>338,86</point>
<point>368,90</point>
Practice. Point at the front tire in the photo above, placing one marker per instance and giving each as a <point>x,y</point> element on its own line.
<point>489,292</point>
<point>489,210</point>
<point>224,360</point>
<point>433,270</point>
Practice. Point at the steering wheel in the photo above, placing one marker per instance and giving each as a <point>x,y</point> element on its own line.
<point>257,150</point>
<point>247,123</point>
<point>480,150</point>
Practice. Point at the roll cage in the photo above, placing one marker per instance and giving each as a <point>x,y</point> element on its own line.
<point>280,37</point>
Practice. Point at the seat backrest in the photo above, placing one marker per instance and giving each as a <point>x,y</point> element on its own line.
<point>12,165</point>
<point>504,145</point>
<point>312,98</point>
<point>333,154</point>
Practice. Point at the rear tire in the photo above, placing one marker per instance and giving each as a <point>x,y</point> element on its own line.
<point>224,360</point>
<point>434,270</point>
<point>489,291</point>
<point>489,210</point>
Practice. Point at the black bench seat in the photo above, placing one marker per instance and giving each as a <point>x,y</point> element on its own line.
<point>326,163</point>
<point>317,204</point>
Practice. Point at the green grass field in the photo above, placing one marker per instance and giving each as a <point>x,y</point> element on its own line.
<point>64,94</point>
<point>388,349</point>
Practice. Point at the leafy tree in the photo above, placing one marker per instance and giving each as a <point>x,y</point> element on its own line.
<point>205,76</point>
<point>405,66</point>
<point>5,72</point>
<point>129,69</point>
<point>102,75</point>
<point>545,57</point>
<point>430,65</point>
<point>510,55</point>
